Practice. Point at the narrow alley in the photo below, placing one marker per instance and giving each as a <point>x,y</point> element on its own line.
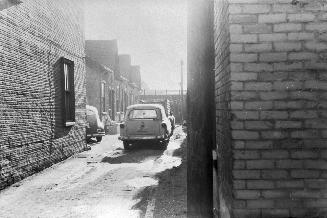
<point>105,181</point>
<point>163,108</point>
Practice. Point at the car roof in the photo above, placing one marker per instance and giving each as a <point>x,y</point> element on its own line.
<point>145,106</point>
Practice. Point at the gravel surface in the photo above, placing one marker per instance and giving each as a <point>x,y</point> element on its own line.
<point>171,193</point>
<point>169,197</point>
<point>105,181</point>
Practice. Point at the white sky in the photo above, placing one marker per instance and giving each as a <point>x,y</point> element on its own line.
<point>153,32</point>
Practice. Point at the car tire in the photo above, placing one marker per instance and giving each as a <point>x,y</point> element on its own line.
<point>126,145</point>
<point>163,145</point>
<point>99,138</point>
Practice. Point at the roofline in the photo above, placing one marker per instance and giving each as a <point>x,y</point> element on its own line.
<point>105,68</point>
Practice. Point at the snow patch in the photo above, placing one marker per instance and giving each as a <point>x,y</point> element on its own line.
<point>141,182</point>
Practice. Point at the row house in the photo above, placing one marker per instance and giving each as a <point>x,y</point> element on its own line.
<point>112,82</point>
<point>135,82</point>
<point>42,85</point>
<point>100,86</point>
<point>131,83</point>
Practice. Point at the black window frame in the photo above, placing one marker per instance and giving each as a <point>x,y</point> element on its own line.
<point>68,91</point>
<point>103,87</point>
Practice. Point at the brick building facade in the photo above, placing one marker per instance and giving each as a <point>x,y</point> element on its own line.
<point>135,83</point>
<point>135,76</point>
<point>200,108</point>
<point>270,103</point>
<point>271,107</point>
<point>100,87</point>
<point>42,117</point>
<point>131,80</point>
<point>110,93</point>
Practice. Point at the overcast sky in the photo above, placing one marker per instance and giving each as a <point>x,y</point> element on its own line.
<point>153,32</point>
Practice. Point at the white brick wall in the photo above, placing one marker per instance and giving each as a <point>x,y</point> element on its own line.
<point>277,104</point>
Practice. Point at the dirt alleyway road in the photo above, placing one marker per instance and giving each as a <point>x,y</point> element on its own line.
<point>102,182</point>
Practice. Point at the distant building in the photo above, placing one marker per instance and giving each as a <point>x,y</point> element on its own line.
<point>125,65</point>
<point>111,94</point>
<point>135,82</point>
<point>102,68</point>
<point>100,87</point>
<point>105,52</point>
<point>42,85</point>
<point>125,69</point>
<point>135,76</point>
<point>131,80</point>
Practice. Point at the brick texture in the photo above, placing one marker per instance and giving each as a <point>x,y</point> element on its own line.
<point>200,108</point>
<point>223,37</point>
<point>122,89</point>
<point>95,75</point>
<point>270,107</point>
<point>34,35</point>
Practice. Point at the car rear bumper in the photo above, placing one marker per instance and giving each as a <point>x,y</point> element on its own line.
<point>126,138</point>
<point>95,134</point>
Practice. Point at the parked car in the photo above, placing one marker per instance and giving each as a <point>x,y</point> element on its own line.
<point>145,122</point>
<point>94,126</point>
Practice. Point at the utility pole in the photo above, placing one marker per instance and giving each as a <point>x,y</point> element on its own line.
<point>182,97</point>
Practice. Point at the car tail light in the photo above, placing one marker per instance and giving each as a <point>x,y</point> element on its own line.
<point>164,125</point>
<point>122,125</point>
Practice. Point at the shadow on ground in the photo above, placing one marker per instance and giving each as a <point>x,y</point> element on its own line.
<point>136,154</point>
<point>92,142</point>
<point>171,192</point>
<point>144,197</point>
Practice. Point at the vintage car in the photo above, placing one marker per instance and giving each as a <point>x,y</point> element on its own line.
<point>145,122</point>
<point>94,126</point>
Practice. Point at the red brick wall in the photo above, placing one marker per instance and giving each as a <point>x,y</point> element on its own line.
<point>277,106</point>
<point>33,36</point>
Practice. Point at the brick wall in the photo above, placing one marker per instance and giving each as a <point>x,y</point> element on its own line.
<point>125,65</point>
<point>104,52</point>
<point>223,113</point>
<point>272,99</point>
<point>95,75</point>
<point>135,76</point>
<point>200,108</point>
<point>33,36</point>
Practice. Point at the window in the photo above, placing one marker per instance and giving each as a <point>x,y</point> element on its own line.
<point>103,97</point>
<point>143,114</point>
<point>112,103</point>
<point>69,96</point>
<point>64,100</point>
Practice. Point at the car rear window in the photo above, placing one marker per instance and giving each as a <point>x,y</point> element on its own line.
<point>143,114</point>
